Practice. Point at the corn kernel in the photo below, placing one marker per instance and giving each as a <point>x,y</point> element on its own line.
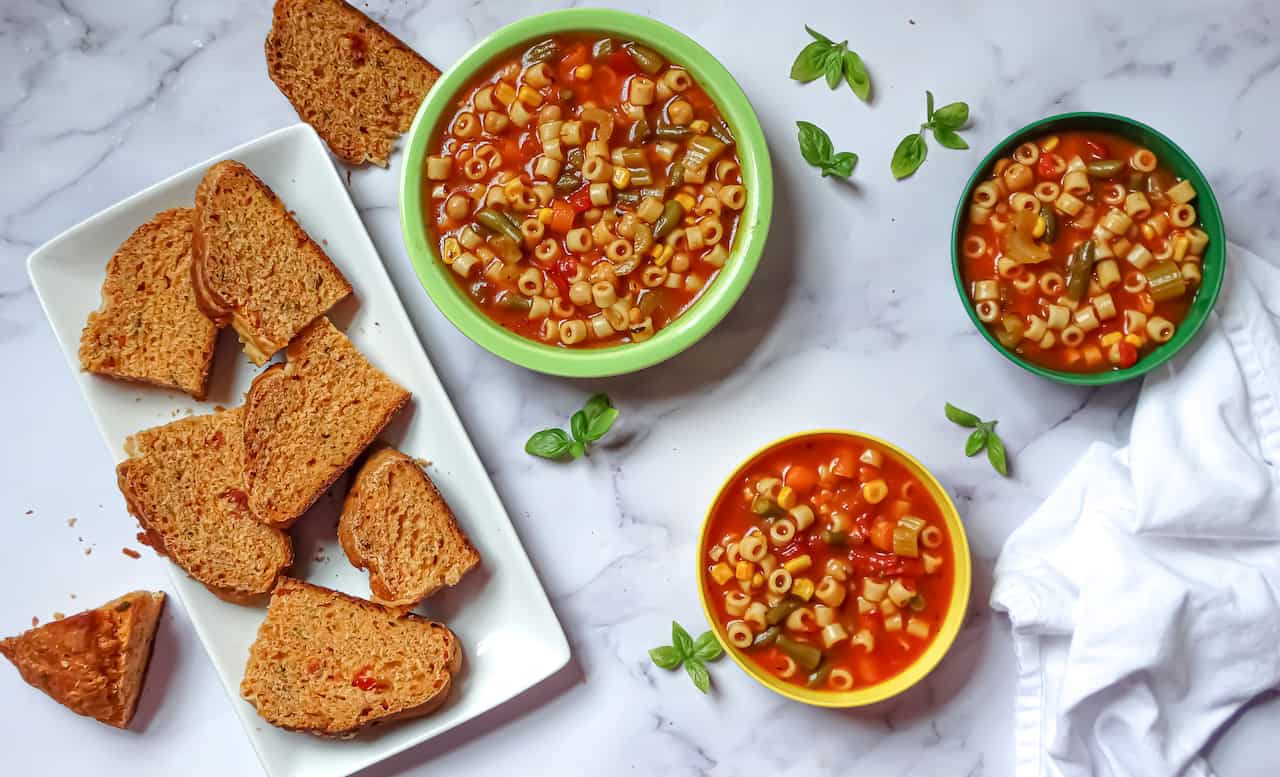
<point>1050,143</point>
<point>667,253</point>
<point>582,72</point>
<point>798,564</point>
<point>744,570</point>
<point>505,93</point>
<point>699,125</point>
<point>803,588</point>
<point>656,252</point>
<point>1040,227</point>
<point>685,200</point>
<point>544,215</point>
<point>721,573</point>
<point>786,498</point>
<point>757,580</point>
<point>1111,338</point>
<point>1136,340</point>
<point>621,177</point>
<point>530,96</point>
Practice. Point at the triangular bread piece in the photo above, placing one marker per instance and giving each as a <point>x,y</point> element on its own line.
<point>149,328</point>
<point>185,485</point>
<point>307,420</point>
<point>253,266</point>
<point>356,83</point>
<point>92,663</point>
<point>396,524</point>
<point>332,664</point>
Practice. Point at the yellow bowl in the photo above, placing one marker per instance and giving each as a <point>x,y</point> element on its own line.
<point>956,608</point>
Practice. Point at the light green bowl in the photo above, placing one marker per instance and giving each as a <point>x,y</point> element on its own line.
<point>1206,207</point>
<point>719,296</point>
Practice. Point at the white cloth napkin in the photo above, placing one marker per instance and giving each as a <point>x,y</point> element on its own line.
<point>1145,593</point>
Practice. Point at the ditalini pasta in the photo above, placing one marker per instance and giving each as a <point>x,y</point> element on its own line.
<point>1081,232</point>
<point>828,563</point>
<point>587,180</point>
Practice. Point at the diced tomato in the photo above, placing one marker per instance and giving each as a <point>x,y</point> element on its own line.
<point>882,535</point>
<point>1125,354</point>
<point>876,564</point>
<point>580,200</point>
<point>1096,149</point>
<point>621,62</point>
<point>845,464</point>
<point>1049,165</point>
<point>561,217</point>
<point>363,680</point>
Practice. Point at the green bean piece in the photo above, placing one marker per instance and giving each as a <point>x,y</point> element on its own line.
<point>1080,269</point>
<point>648,60</point>
<point>917,603</point>
<point>566,94</point>
<point>627,266</point>
<point>643,239</point>
<point>512,301</point>
<point>1137,182</point>
<point>762,505</point>
<point>568,181</point>
<point>767,637</point>
<point>779,612</point>
<point>1050,223</point>
<point>575,157</point>
<point>633,157</point>
<point>649,301</point>
<point>819,676</point>
<point>721,132</point>
<point>703,149</point>
<point>675,175</point>
<point>673,132</point>
<point>626,197</point>
<point>639,131</point>
<point>602,48</point>
<point>1104,168</point>
<point>835,537</point>
<point>540,52</point>
<point>1165,281</point>
<point>495,222</point>
<point>672,212</point>
<point>805,655</point>
<point>640,176</point>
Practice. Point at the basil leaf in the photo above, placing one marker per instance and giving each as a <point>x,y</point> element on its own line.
<point>698,673</point>
<point>976,442</point>
<point>596,405</point>
<point>817,35</point>
<point>952,116</point>
<point>681,640</point>
<point>996,455</point>
<point>707,647</point>
<point>597,427</point>
<point>949,138</point>
<point>548,443</point>
<point>810,62</point>
<point>578,425</point>
<point>665,657</point>
<point>928,105</point>
<point>962,417</point>
<point>840,165</point>
<point>577,449</point>
<point>815,145</point>
<point>833,66</point>
<point>908,156</point>
<point>855,74</point>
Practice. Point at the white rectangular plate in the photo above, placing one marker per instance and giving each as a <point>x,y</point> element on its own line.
<point>509,633</point>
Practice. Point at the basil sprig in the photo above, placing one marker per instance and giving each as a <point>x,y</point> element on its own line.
<point>692,653</point>
<point>944,123</point>
<point>834,61</point>
<point>983,437</point>
<point>817,150</point>
<point>588,425</point>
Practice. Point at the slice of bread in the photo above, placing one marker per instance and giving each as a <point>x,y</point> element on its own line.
<point>307,420</point>
<point>185,485</point>
<point>332,664</point>
<point>253,266</point>
<point>92,663</point>
<point>396,524</point>
<point>356,83</point>
<point>149,328</point>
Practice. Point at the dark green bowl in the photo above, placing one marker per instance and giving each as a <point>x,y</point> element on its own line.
<point>1206,204</point>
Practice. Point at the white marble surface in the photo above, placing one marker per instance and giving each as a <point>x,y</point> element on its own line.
<point>851,321</point>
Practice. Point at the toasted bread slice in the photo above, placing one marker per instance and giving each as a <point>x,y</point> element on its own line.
<point>307,420</point>
<point>396,524</point>
<point>92,663</point>
<point>185,485</point>
<point>149,328</point>
<point>345,75</point>
<point>253,266</point>
<point>332,664</point>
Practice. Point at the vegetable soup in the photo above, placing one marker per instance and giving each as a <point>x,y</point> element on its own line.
<point>584,191</point>
<point>1082,252</point>
<point>828,563</point>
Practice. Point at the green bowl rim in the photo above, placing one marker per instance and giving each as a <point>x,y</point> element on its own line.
<point>1214,260</point>
<point>716,300</point>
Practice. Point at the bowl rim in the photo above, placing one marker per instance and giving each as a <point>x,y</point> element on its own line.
<point>715,301</point>
<point>957,608</point>
<point>1214,259</point>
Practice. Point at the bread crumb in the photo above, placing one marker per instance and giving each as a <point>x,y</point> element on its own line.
<point>30,512</point>
<point>218,408</point>
<point>71,521</point>
<point>131,553</point>
<point>34,621</point>
<point>73,596</point>
<point>88,551</point>
<point>57,616</point>
<point>424,463</point>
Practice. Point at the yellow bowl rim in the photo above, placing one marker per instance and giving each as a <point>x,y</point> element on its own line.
<point>956,608</point>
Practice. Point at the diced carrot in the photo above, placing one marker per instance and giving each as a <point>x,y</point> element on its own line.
<point>561,217</point>
<point>801,478</point>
